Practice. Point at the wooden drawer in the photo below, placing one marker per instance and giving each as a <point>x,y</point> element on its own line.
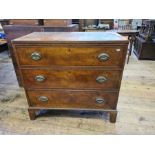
<point>57,22</point>
<point>72,99</point>
<point>24,22</point>
<point>71,78</point>
<point>64,56</point>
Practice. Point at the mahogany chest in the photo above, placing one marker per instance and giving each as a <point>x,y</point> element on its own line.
<point>71,70</point>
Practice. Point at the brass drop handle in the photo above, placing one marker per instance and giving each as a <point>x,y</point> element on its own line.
<point>39,78</point>
<point>43,98</point>
<point>103,57</point>
<point>35,56</point>
<point>100,100</point>
<point>101,79</point>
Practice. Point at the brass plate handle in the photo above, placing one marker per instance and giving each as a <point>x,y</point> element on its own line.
<point>100,100</point>
<point>103,57</point>
<point>35,56</point>
<point>39,78</point>
<point>101,79</point>
<point>43,98</point>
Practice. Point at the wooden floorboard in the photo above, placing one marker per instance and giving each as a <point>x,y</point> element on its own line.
<point>136,106</point>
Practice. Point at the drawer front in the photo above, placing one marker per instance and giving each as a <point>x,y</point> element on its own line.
<point>72,99</point>
<point>57,22</point>
<point>80,79</point>
<point>79,56</point>
<point>24,22</point>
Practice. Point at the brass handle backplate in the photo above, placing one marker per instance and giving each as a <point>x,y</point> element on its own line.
<point>35,56</point>
<point>43,98</point>
<point>39,78</point>
<point>103,57</point>
<point>100,100</point>
<point>101,79</point>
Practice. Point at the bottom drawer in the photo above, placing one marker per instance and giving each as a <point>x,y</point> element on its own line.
<point>72,99</point>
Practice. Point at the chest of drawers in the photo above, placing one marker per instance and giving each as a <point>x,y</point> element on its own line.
<point>71,70</point>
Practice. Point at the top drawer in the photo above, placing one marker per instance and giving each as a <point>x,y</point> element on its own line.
<point>73,56</point>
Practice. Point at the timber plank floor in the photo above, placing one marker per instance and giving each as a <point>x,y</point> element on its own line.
<point>136,106</point>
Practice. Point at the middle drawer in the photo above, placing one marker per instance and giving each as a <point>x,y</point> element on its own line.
<point>80,79</point>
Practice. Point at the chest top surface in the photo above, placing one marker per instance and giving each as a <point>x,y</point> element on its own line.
<point>71,37</point>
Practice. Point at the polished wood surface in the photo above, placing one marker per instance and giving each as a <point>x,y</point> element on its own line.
<point>24,22</point>
<point>71,78</point>
<point>66,37</point>
<point>70,65</point>
<point>68,28</point>
<point>131,34</point>
<point>136,107</point>
<point>57,22</point>
<point>71,55</point>
<point>16,31</point>
<point>77,99</point>
<point>13,32</point>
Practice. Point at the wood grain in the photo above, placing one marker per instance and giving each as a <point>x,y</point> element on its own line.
<point>73,56</point>
<point>72,99</point>
<point>71,78</point>
<point>57,22</point>
<point>70,65</point>
<point>24,22</point>
<point>72,37</point>
<point>136,107</point>
<point>16,31</point>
